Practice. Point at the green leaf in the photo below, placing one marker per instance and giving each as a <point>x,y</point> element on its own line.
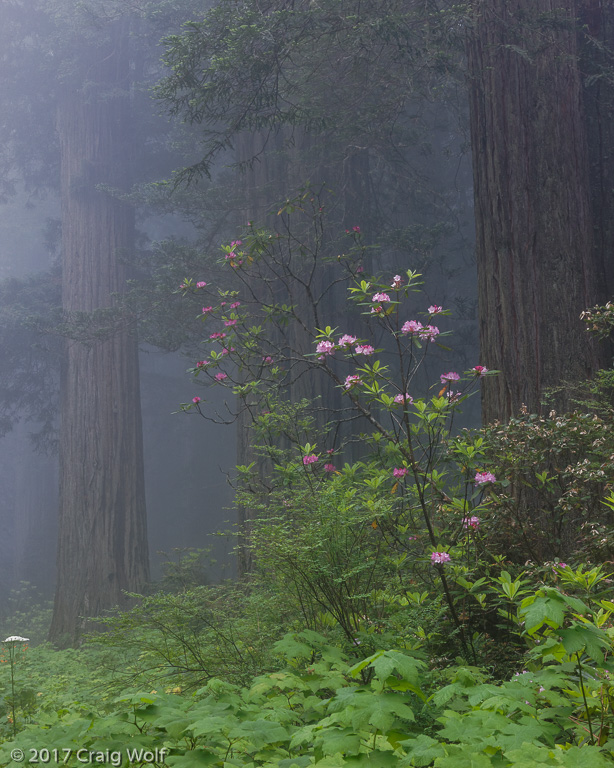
<point>463,757</point>
<point>537,611</point>
<point>259,732</point>
<point>421,751</point>
<point>580,636</point>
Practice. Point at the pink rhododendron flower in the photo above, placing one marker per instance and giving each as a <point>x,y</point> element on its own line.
<point>429,332</point>
<point>479,370</point>
<point>201,363</point>
<point>221,376</point>
<point>377,310</point>
<point>355,229</point>
<point>399,471</point>
<point>484,477</point>
<point>309,459</point>
<point>434,309</point>
<point>446,378</point>
<point>196,399</point>
<point>201,284</point>
<point>440,557</point>
<point>217,336</point>
<point>326,347</point>
<point>230,323</point>
<point>207,309</point>
<point>380,297</point>
<point>236,242</point>
<point>471,522</point>
<point>268,360</point>
<point>453,397</point>
<point>411,326</point>
<point>346,340</point>
<point>364,349</point>
<point>397,281</point>
<point>235,304</point>
<point>351,381</point>
<point>403,398</point>
<point>329,467</point>
<point>360,269</point>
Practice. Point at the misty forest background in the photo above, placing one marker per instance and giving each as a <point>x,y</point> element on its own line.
<point>306,382</point>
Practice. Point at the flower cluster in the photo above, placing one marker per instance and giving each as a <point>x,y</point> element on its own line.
<point>352,381</point>
<point>311,459</point>
<point>380,297</point>
<point>471,522</point>
<point>325,348</point>
<point>399,472</point>
<point>346,341</point>
<point>446,378</point>
<point>364,349</point>
<point>406,398</point>
<point>233,257</point>
<point>484,477</point>
<point>424,332</point>
<point>438,558</point>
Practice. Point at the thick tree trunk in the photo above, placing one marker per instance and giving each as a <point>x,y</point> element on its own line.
<point>102,526</point>
<point>596,45</point>
<point>534,222</point>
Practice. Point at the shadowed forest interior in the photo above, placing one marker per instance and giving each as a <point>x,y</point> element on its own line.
<point>306,382</point>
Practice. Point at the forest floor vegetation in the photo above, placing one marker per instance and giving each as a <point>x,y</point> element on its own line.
<point>419,595</point>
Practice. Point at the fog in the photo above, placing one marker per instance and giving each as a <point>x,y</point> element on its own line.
<point>187,461</point>
<point>420,206</point>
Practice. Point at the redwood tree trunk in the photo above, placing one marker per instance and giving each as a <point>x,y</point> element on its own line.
<point>536,264</point>
<point>102,526</point>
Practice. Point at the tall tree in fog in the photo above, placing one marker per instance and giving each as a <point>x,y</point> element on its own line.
<point>102,545</point>
<point>72,75</point>
<point>541,100</point>
<point>84,80</point>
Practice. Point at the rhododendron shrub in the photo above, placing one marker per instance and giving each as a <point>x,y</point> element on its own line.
<point>557,469</point>
<point>408,498</point>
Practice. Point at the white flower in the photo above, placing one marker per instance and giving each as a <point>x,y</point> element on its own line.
<point>16,639</point>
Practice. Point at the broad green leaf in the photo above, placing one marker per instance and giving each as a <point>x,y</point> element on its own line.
<point>543,610</point>
<point>421,751</point>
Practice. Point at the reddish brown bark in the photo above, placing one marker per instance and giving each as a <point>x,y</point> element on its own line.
<point>534,215</point>
<point>102,528</point>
